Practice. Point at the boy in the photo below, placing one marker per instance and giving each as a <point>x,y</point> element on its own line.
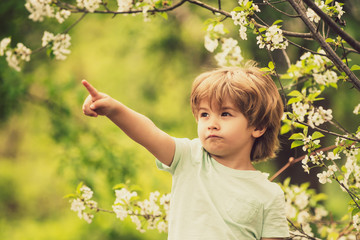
<point>216,193</point>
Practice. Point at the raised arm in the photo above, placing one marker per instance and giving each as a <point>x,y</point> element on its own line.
<point>137,126</point>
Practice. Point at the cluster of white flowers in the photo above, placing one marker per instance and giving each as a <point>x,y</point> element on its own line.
<point>316,65</point>
<point>16,56</point>
<point>124,5</point>
<point>299,210</point>
<point>352,174</point>
<point>45,8</point>
<point>230,54</point>
<point>214,32</point>
<point>152,212</point>
<point>325,78</point>
<point>59,44</point>
<point>318,116</point>
<point>89,5</point>
<point>300,109</point>
<point>273,39</point>
<point>315,116</point>
<point>337,9</point>
<point>84,202</point>
<point>357,109</point>
<point>240,18</point>
<point>356,221</point>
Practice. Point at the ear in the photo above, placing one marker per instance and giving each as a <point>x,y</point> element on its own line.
<point>258,132</point>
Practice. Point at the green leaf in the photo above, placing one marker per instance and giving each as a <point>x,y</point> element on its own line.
<point>317,135</point>
<point>277,21</point>
<point>285,129</point>
<point>164,15</point>
<point>297,136</point>
<point>261,29</point>
<point>294,100</point>
<point>355,67</point>
<point>327,2</point>
<point>271,65</point>
<point>119,186</point>
<point>78,187</point>
<point>305,131</point>
<point>238,9</point>
<point>329,40</point>
<point>297,144</point>
<point>295,93</point>
<point>71,195</point>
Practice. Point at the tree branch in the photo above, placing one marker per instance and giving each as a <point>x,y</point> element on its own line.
<point>332,24</point>
<point>324,45</point>
<point>227,14</point>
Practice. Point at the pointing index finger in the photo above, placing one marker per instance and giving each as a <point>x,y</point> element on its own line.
<point>93,92</point>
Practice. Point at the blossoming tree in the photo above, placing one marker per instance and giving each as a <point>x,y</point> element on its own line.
<point>302,85</point>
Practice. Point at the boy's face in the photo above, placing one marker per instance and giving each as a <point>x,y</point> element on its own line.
<point>224,131</point>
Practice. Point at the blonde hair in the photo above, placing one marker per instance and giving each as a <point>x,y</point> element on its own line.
<point>256,96</point>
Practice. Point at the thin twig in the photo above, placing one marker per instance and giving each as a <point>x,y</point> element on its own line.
<point>280,11</point>
<point>332,24</point>
<point>324,45</point>
<point>75,23</point>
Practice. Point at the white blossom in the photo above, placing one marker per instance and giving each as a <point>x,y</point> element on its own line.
<point>39,9</point>
<point>324,177</point>
<point>62,15</point>
<point>124,5</point>
<point>312,15</point>
<point>45,8</point>
<point>5,43</point>
<point>319,116</point>
<point>356,222</point>
<point>339,9</point>
<point>300,109</point>
<point>303,217</point>
<point>218,28</point>
<point>87,217</point>
<point>231,53</point>
<point>124,196</point>
<point>59,44</point>
<point>357,109</point>
<point>302,200</point>
<point>210,44</point>
<point>325,78</point>
<point>120,211</point>
<point>162,226</point>
<point>135,219</point>
<point>15,56</point>
<point>320,212</point>
<point>332,156</point>
<point>89,5</point>
<point>273,39</point>
<point>77,205</point>
<point>240,19</point>
<point>86,192</point>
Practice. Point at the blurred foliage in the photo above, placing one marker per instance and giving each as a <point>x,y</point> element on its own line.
<point>47,146</point>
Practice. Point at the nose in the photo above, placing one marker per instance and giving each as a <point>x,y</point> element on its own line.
<point>213,124</point>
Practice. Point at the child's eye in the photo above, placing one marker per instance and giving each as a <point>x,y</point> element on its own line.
<point>226,114</point>
<point>204,114</point>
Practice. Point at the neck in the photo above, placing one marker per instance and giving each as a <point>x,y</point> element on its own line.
<point>238,164</point>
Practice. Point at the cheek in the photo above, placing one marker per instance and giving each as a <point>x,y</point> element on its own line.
<point>200,129</point>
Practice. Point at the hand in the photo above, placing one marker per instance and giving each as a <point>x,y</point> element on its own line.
<point>96,103</point>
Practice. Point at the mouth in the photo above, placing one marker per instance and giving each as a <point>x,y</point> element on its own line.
<point>213,137</point>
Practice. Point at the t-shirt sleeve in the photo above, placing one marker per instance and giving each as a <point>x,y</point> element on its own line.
<point>275,222</point>
<point>182,149</point>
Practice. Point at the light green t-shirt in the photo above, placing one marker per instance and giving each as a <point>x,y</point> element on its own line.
<point>213,202</point>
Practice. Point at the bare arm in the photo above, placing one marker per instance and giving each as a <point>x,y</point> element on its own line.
<point>272,238</point>
<point>137,126</point>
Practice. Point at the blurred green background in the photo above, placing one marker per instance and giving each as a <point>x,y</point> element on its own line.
<point>47,146</point>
